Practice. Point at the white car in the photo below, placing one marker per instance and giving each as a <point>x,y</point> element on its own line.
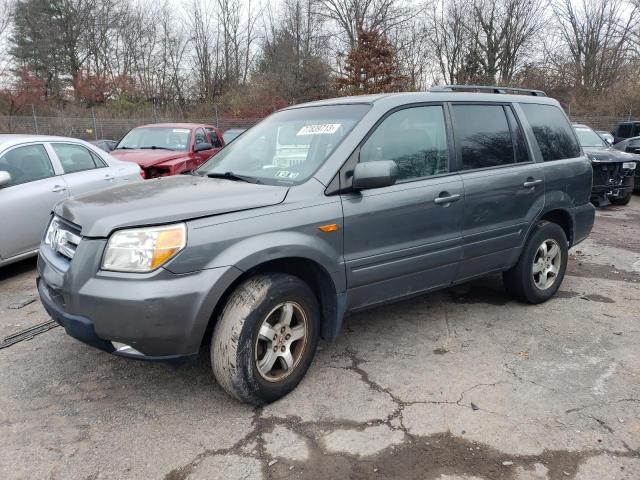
<point>36,172</point>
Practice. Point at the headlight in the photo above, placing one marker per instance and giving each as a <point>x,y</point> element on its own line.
<point>51,231</point>
<point>143,249</point>
<point>629,165</point>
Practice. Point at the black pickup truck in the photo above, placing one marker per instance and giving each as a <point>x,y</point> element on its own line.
<point>613,170</point>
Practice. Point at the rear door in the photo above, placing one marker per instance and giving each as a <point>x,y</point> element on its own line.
<point>503,186</point>
<point>405,238</point>
<point>84,171</point>
<point>26,202</point>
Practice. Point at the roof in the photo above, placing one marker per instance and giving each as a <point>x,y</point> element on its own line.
<point>396,99</point>
<point>21,138</point>
<point>11,139</point>
<point>176,125</point>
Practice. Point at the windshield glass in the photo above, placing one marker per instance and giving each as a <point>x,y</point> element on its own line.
<point>156,137</point>
<point>589,138</point>
<point>287,147</point>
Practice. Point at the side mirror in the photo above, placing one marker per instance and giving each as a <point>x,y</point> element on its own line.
<point>203,146</point>
<point>374,174</point>
<point>5,178</point>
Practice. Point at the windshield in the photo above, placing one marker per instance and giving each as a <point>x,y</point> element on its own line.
<point>166,138</point>
<point>589,138</point>
<point>287,147</point>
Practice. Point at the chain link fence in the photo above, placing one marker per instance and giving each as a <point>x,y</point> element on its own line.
<point>94,128</point>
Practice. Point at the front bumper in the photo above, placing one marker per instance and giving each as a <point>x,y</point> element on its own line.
<point>156,316</point>
<point>610,181</point>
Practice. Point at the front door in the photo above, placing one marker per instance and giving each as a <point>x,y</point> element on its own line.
<point>199,139</point>
<point>26,202</point>
<point>405,238</point>
<point>503,186</point>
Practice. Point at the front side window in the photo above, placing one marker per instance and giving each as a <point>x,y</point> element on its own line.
<point>200,137</point>
<point>26,164</point>
<point>552,130</point>
<point>214,138</point>
<point>75,158</point>
<point>415,138</point>
<point>163,138</point>
<point>589,138</point>
<point>288,146</point>
<point>483,136</point>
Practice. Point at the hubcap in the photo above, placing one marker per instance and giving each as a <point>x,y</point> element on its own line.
<point>546,264</point>
<point>281,341</point>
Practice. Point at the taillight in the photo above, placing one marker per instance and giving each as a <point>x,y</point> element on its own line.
<point>142,174</point>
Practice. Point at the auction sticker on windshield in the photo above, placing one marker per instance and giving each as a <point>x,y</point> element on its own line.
<point>321,129</point>
<point>180,130</point>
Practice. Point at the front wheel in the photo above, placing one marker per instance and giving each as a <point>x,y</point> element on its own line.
<point>265,339</point>
<point>540,270</point>
<point>622,200</point>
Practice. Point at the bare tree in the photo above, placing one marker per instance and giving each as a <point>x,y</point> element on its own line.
<point>352,16</point>
<point>597,34</point>
<point>449,38</point>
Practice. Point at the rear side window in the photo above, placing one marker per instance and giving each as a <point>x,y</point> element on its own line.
<point>415,138</point>
<point>483,136</point>
<point>624,130</point>
<point>26,164</point>
<point>76,158</point>
<point>553,133</point>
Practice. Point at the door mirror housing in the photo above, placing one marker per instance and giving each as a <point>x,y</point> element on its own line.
<point>203,146</point>
<point>374,174</point>
<point>5,178</point>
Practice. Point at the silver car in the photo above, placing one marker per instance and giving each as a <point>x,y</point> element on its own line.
<point>36,172</point>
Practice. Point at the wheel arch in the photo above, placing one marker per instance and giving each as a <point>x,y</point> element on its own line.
<point>564,219</point>
<point>332,303</point>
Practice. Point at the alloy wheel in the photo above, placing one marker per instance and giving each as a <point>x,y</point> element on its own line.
<point>281,341</point>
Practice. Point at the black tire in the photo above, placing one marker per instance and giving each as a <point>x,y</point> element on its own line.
<point>622,200</point>
<point>234,347</point>
<point>519,280</point>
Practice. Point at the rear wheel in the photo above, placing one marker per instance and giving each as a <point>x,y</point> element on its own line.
<point>266,338</point>
<point>540,270</point>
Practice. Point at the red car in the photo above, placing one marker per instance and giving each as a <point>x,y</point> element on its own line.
<point>163,149</point>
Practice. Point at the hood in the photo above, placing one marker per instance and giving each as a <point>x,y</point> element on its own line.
<point>164,200</point>
<point>147,157</point>
<point>608,155</point>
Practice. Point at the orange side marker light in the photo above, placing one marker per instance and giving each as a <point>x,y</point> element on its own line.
<point>332,227</point>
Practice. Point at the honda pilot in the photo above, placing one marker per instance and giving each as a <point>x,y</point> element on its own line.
<point>320,210</point>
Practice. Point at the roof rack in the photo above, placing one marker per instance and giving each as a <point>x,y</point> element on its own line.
<point>489,88</point>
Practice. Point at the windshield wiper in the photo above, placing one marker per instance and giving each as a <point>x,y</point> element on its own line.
<point>124,148</point>
<point>154,147</point>
<point>233,176</point>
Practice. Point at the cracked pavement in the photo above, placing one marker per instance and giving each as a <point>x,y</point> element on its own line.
<point>462,384</point>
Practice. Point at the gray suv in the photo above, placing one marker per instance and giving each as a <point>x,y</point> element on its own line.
<point>320,210</point>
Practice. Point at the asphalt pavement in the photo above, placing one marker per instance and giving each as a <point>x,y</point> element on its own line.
<point>460,384</point>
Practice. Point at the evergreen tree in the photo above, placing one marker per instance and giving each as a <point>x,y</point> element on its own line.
<point>371,67</point>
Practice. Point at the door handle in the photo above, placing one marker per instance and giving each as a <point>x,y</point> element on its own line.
<point>447,199</point>
<point>109,177</point>
<point>531,183</point>
<point>58,188</point>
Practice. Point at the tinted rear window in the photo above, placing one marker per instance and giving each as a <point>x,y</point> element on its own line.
<point>483,136</point>
<point>553,132</point>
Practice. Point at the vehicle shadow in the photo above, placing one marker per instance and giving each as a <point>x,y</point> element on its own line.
<point>18,268</point>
